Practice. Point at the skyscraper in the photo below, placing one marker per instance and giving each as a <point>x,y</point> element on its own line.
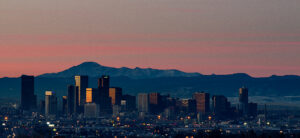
<point>104,99</point>
<point>115,94</point>
<point>92,95</point>
<point>252,109</point>
<point>103,82</point>
<point>202,100</point>
<point>155,103</point>
<point>243,100</point>
<point>221,106</point>
<point>130,102</point>
<point>28,99</point>
<point>143,102</point>
<point>64,105</point>
<point>50,103</point>
<point>82,83</point>
<point>72,99</point>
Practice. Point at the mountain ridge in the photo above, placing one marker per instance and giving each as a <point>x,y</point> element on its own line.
<point>94,69</point>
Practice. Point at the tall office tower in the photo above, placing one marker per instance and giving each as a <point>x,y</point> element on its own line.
<point>202,100</point>
<point>115,94</point>
<point>64,105</point>
<point>72,99</point>
<point>155,103</point>
<point>188,106</point>
<point>92,95</point>
<point>252,109</point>
<point>82,83</point>
<point>42,106</point>
<point>50,103</point>
<point>28,99</point>
<point>221,106</point>
<point>143,102</point>
<point>91,110</point>
<point>130,102</point>
<point>243,100</point>
<point>104,99</point>
<point>103,82</point>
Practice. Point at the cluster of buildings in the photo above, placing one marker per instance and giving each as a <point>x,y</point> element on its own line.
<point>105,111</point>
<point>106,101</point>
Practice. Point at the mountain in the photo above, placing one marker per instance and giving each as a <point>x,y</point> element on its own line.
<point>93,69</point>
<point>173,82</point>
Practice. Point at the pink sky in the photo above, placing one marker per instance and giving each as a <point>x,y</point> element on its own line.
<point>258,38</point>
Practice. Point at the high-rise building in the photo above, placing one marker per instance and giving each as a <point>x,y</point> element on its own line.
<point>104,99</point>
<point>187,106</point>
<point>129,102</point>
<point>115,94</point>
<point>143,102</point>
<point>64,105</point>
<point>82,83</point>
<point>243,100</point>
<point>155,103</point>
<point>42,106</point>
<point>92,95</point>
<point>103,82</point>
<point>72,99</point>
<point>221,106</point>
<point>50,103</point>
<point>28,99</point>
<point>203,102</point>
<point>252,109</point>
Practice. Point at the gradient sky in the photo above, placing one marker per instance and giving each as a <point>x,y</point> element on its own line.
<point>258,37</point>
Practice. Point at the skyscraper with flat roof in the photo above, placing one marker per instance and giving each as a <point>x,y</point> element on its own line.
<point>202,102</point>
<point>155,103</point>
<point>72,99</point>
<point>130,102</point>
<point>104,99</point>
<point>64,105</point>
<point>82,83</point>
<point>92,95</point>
<point>143,102</point>
<point>243,100</point>
<point>115,94</point>
<point>28,99</point>
<point>50,103</point>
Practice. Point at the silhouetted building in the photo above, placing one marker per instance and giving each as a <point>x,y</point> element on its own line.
<point>92,95</point>
<point>64,105</point>
<point>143,102</point>
<point>72,99</point>
<point>187,106</point>
<point>129,102</point>
<point>104,99</point>
<point>252,109</point>
<point>82,83</point>
<point>243,100</point>
<point>28,99</point>
<point>50,103</point>
<point>155,103</point>
<point>42,106</point>
<point>202,101</point>
<point>115,94</point>
<point>221,106</point>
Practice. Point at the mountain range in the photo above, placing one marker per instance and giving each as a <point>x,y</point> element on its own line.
<point>174,82</point>
<point>93,69</point>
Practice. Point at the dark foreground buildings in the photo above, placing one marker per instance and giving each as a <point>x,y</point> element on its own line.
<point>28,99</point>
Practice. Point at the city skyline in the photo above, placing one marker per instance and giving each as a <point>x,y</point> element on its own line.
<point>221,37</point>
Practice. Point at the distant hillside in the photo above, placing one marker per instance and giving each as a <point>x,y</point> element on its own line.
<point>94,69</point>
